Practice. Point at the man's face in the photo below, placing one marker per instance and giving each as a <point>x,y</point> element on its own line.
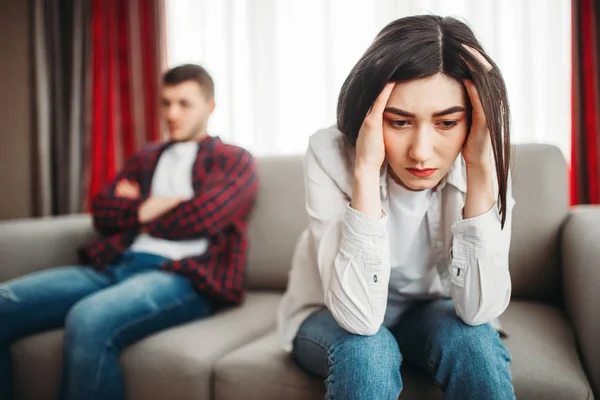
<point>424,129</point>
<point>185,110</point>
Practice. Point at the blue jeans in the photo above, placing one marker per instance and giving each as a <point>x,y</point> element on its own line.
<point>102,313</point>
<point>467,362</point>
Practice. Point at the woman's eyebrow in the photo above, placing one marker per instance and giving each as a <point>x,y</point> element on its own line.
<point>397,111</point>
<point>450,110</point>
<point>402,113</point>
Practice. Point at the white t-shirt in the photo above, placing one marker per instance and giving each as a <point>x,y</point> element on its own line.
<point>412,273</point>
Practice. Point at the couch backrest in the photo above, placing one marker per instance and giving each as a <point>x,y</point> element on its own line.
<point>277,221</point>
<point>539,188</point>
<point>29,245</point>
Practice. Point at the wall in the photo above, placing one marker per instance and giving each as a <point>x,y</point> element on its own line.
<point>15,110</point>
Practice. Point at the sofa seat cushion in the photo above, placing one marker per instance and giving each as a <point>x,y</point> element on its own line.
<point>173,364</point>
<point>545,364</point>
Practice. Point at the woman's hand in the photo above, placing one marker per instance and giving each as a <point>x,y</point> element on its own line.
<point>477,147</point>
<point>476,152</point>
<point>370,150</point>
<point>370,154</point>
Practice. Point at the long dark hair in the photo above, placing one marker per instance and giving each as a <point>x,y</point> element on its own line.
<point>417,47</point>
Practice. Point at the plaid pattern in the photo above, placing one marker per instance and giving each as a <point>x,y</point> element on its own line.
<point>225,183</point>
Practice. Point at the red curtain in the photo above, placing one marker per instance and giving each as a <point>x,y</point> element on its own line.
<point>127,59</point>
<point>585,143</point>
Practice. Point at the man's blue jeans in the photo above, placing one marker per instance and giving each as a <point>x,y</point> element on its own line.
<point>467,362</point>
<point>102,313</point>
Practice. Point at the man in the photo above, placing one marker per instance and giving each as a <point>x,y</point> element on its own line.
<point>172,247</point>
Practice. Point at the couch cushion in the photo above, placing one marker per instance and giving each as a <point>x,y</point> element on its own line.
<point>541,193</point>
<point>276,222</point>
<point>173,364</point>
<point>545,364</point>
<point>37,359</point>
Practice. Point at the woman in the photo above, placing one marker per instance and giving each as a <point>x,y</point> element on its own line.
<point>406,253</point>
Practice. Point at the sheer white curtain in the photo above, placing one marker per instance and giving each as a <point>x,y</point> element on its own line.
<point>278,65</point>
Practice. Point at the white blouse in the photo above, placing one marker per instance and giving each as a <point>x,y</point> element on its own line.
<point>343,258</point>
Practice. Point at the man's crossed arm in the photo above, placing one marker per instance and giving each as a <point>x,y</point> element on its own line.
<point>227,193</point>
<point>152,208</point>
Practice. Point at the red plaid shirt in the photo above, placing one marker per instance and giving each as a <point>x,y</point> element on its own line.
<point>225,183</point>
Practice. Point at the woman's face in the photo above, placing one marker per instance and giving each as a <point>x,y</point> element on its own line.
<point>425,124</point>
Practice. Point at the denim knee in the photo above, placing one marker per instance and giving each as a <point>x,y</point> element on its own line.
<point>476,353</point>
<point>369,357</point>
<point>478,345</point>
<point>85,324</point>
<point>364,367</point>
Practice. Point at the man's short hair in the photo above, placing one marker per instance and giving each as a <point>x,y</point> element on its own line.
<point>190,72</point>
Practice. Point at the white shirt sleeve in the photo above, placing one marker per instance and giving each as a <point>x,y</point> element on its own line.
<point>352,253</point>
<point>480,278</point>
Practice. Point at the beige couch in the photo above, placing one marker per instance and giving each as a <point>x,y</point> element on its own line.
<point>554,317</point>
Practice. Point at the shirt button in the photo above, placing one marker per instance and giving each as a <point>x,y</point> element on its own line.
<point>375,278</point>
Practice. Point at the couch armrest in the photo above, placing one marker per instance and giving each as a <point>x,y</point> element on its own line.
<point>581,280</point>
<point>29,245</point>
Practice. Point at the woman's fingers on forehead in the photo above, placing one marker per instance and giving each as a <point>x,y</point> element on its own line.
<point>382,99</point>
